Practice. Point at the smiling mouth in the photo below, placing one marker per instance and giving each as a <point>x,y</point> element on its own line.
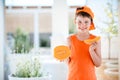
<point>83,28</point>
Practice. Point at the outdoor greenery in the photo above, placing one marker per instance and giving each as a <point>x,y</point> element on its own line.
<point>72,28</point>
<point>21,42</point>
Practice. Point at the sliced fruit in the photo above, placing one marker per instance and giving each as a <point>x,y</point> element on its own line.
<point>90,41</point>
<point>61,52</point>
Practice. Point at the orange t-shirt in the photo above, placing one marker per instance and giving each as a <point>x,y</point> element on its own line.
<point>81,66</point>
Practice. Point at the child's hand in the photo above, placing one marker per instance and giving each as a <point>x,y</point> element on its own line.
<point>67,60</point>
<point>93,46</point>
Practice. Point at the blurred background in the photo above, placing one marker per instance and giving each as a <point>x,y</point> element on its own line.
<point>34,27</point>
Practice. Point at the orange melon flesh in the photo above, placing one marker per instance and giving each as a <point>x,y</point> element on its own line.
<point>61,52</point>
<point>90,41</point>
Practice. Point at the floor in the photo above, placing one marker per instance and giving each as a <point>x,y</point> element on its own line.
<point>102,76</point>
<point>56,68</point>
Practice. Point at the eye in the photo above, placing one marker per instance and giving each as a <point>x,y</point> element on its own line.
<point>79,22</point>
<point>86,22</point>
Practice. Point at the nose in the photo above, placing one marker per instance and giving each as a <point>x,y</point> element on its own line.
<point>83,25</point>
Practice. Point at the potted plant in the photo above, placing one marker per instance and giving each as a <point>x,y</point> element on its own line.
<point>29,70</point>
<point>20,49</point>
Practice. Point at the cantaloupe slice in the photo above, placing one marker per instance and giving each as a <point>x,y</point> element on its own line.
<point>90,41</point>
<point>61,52</point>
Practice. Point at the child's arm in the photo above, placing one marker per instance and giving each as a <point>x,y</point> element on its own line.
<point>95,52</point>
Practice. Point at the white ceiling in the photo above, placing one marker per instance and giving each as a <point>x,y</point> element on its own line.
<point>41,2</point>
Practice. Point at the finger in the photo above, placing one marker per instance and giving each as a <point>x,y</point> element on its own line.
<point>94,43</point>
<point>93,46</point>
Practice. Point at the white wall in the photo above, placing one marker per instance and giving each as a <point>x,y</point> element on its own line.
<point>1,40</point>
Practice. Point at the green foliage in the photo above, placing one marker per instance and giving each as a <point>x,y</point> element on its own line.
<point>29,68</point>
<point>112,28</point>
<point>22,41</point>
<point>72,27</point>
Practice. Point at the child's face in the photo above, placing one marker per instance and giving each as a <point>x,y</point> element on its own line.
<point>82,23</point>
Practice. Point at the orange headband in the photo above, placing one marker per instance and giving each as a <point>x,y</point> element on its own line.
<point>87,10</point>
